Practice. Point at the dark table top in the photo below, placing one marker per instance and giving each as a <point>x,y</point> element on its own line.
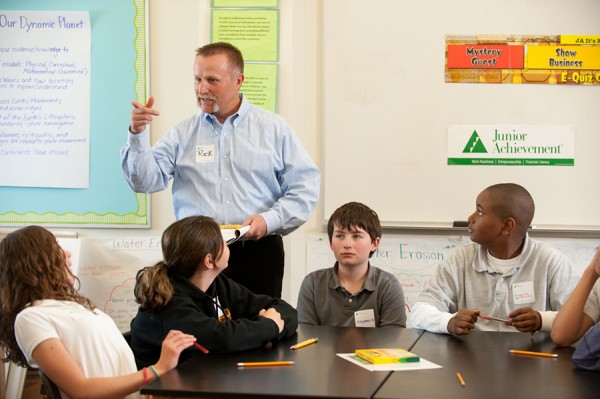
<point>317,373</point>
<point>490,371</point>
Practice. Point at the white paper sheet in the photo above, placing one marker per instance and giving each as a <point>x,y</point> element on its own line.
<point>421,365</point>
<point>45,98</point>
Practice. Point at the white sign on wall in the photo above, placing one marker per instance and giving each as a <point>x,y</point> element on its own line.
<point>45,61</point>
<point>511,145</point>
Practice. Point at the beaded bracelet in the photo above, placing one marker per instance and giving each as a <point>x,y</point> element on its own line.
<point>145,371</point>
<point>153,369</point>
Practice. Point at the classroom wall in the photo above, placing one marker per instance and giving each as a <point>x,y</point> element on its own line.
<point>110,257</point>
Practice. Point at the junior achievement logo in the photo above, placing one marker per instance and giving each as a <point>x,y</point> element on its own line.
<point>475,144</point>
<point>510,145</point>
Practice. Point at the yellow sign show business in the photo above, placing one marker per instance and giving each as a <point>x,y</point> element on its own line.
<point>579,64</point>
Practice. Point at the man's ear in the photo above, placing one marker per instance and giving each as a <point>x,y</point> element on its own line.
<point>509,226</point>
<point>240,80</point>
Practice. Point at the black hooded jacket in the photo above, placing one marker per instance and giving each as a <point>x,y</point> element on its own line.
<point>194,312</point>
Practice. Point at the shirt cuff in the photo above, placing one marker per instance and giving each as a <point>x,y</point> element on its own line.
<point>139,140</point>
<point>444,320</point>
<point>425,316</point>
<point>547,320</point>
<point>272,221</point>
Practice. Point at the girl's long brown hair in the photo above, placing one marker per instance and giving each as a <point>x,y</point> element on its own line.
<point>32,267</point>
<point>185,245</point>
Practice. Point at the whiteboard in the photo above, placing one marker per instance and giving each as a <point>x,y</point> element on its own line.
<point>413,259</point>
<point>387,109</point>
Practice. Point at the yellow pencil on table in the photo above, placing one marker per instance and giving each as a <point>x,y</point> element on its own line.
<point>304,343</point>
<point>265,364</point>
<point>529,353</point>
<point>460,379</point>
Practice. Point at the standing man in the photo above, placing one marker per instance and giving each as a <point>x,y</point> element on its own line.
<point>232,161</point>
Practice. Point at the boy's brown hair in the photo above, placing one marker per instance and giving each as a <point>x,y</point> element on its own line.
<point>355,215</point>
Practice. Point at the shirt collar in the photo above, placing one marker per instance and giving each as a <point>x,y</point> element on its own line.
<point>370,284</point>
<point>482,263</point>
<point>335,280</point>
<point>233,119</point>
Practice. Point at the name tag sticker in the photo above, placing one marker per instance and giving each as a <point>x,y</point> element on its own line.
<point>364,318</point>
<point>523,292</point>
<point>205,153</point>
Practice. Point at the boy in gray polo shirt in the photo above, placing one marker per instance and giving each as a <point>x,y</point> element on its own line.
<point>502,274</point>
<point>352,293</point>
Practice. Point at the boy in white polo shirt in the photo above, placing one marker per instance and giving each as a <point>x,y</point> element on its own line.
<point>503,274</point>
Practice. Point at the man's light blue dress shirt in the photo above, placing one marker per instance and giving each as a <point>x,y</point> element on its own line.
<point>252,164</point>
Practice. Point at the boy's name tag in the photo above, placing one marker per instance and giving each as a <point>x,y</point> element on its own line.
<point>523,293</point>
<point>205,153</point>
<point>364,318</point>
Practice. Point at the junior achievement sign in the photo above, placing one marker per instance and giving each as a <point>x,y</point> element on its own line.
<point>511,145</point>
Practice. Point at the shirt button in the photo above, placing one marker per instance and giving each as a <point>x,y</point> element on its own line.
<point>225,178</point>
<point>349,300</point>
